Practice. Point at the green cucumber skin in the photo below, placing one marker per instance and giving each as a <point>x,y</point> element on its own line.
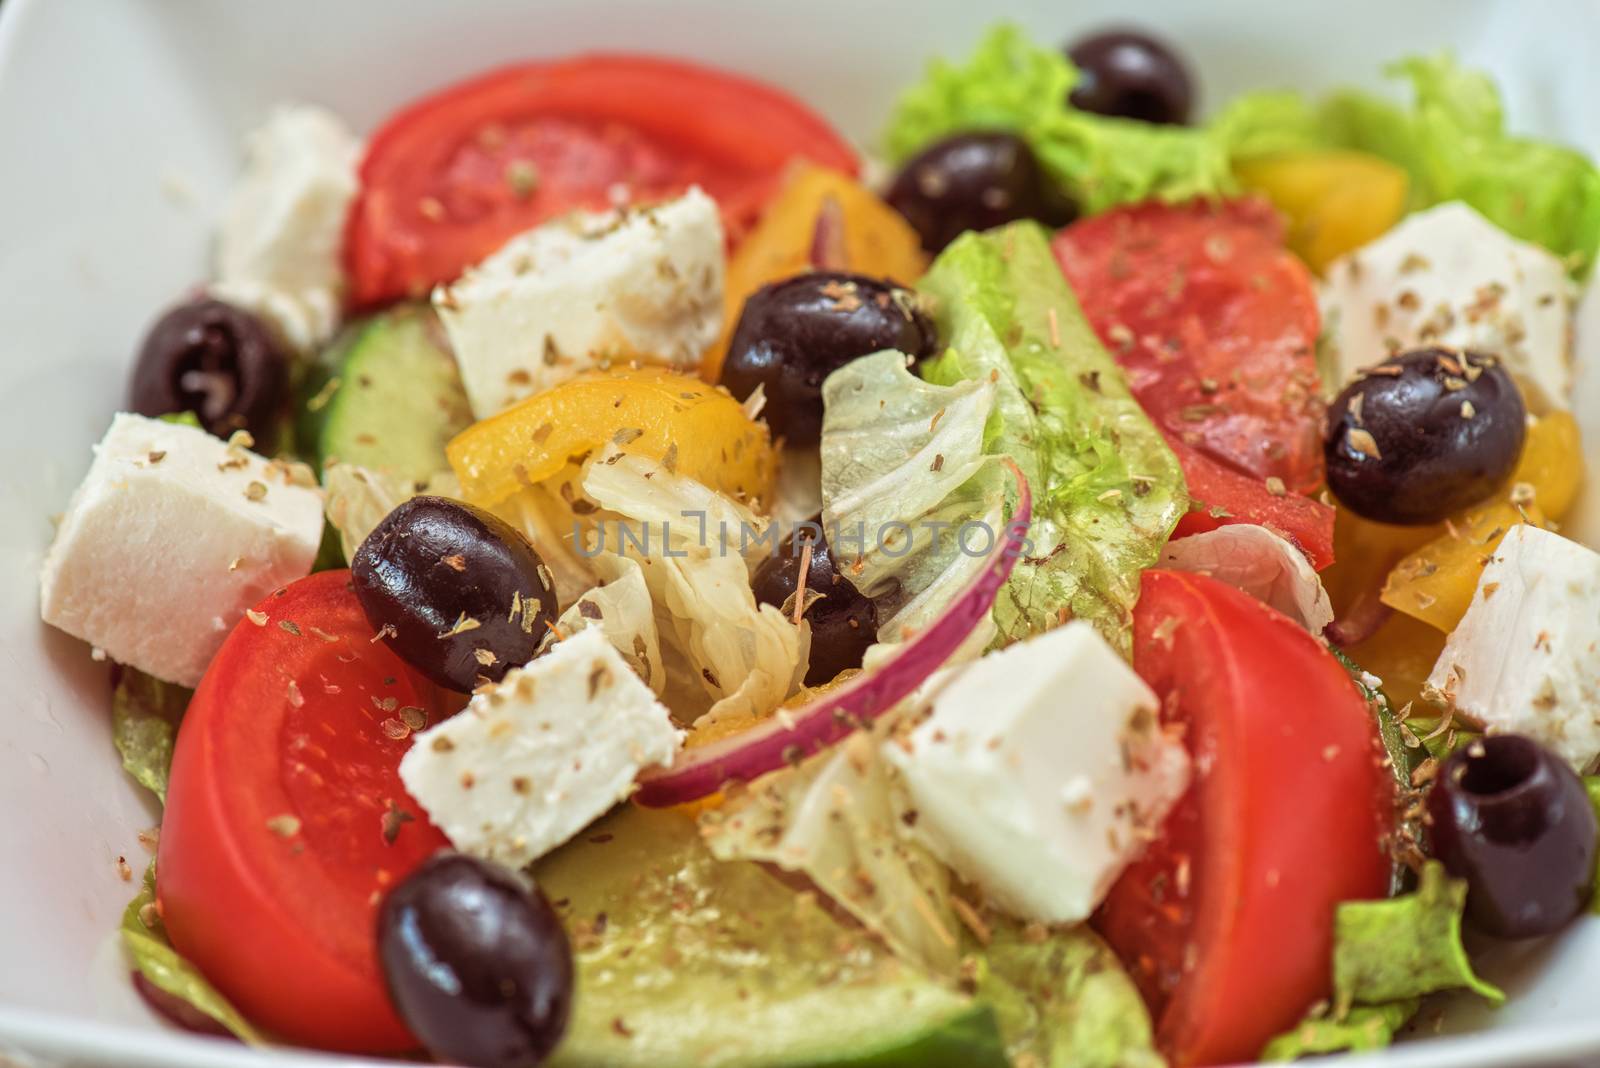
<point>754,983</point>
<point>311,402</point>
<point>971,1040</point>
<point>385,395</point>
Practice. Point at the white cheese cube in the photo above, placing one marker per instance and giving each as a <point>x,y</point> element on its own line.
<point>171,536</point>
<point>279,250</point>
<point>578,292</point>
<point>1525,658</point>
<point>301,320</point>
<point>534,760</point>
<point>1450,277</point>
<point>1042,771</point>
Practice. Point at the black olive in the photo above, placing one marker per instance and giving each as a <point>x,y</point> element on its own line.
<point>217,361</point>
<point>974,181</point>
<point>477,963</point>
<point>1515,821</point>
<point>793,334</point>
<point>1131,75</point>
<point>1424,435</point>
<point>457,592</point>
<point>843,623</point>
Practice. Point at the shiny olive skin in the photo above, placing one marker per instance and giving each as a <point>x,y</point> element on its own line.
<point>974,181</point>
<point>843,624</point>
<point>477,963</point>
<point>1423,435</point>
<point>1131,75</point>
<point>794,333</point>
<point>217,361</point>
<point>1514,821</point>
<point>432,569</point>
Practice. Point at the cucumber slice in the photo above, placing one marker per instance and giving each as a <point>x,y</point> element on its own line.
<point>685,960</point>
<point>387,396</point>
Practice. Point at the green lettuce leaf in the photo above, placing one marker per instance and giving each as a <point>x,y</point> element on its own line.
<point>1362,1029</point>
<point>330,551</point>
<point>1268,121</point>
<point>1387,955</point>
<point>1404,947</point>
<point>1592,784</point>
<point>358,498</point>
<point>1107,491</point>
<point>1406,754</point>
<point>1439,735</point>
<point>154,958</point>
<point>1452,142</point>
<point>1403,756</point>
<point>1013,84</point>
<point>144,725</point>
<point>1062,1000</point>
<point>743,658</point>
<point>903,468</point>
<point>838,820</point>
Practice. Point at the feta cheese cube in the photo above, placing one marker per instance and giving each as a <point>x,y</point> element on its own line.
<point>578,292</point>
<point>301,320</point>
<point>537,758</point>
<point>171,536</point>
<point>1526,656</point>
<point>279,251</point>
<point>1450,277</point>
<point>1042,771</point>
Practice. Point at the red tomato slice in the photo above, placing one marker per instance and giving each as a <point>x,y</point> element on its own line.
<point>1226,922</point>
<point>448,179</point>
<point>1215,324</point>
<point>286,818</point>
<point>1222,495</point>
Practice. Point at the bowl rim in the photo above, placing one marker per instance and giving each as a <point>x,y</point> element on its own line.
<point>74,1039</point>
<point>48,1037</point>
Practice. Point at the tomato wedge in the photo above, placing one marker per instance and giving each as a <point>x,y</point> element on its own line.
<point>1221,495</point>
<point>1215,324</point>
<point>286,817</point>
<point>1226,922</point>
<point>448,179</point>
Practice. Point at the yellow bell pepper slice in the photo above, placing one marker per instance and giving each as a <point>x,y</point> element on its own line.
<point>1336,200</point>
<point>1551,465</point>
<point>1435,583</point>
<point>1401,652</point>
<point>873,240</point>
<point>647,411</point>
<point>1364,552</point>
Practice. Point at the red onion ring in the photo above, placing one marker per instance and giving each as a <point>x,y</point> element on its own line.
<point>177,1011</point>
<point>781,742</point>
<point>827,251</point>
<point>1361,622</point>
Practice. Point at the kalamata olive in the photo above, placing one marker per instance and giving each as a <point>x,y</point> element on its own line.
<point>974,181</point>
<point>1515,821</point>
<point>843,623</point>
<point>1131,75</point>
<point>477,963</point>
<point>793,334</point>
<point>460,594</point>
<point>217,361</point>
<point>177,1010</point>
<point>1423,435</point>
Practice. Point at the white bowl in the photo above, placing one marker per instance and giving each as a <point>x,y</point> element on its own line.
<point>120,122</point>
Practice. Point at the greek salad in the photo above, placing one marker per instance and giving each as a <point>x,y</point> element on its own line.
<point>608,572</point>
